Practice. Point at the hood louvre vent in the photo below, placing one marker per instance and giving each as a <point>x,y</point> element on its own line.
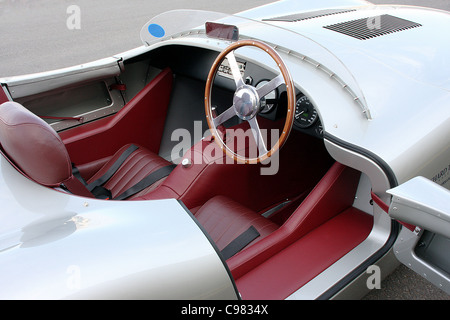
<point>372,27</point>
<point>309,15</point>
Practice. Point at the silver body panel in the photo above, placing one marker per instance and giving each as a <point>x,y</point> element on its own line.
<point>423,203</point>
<point>59,246</point>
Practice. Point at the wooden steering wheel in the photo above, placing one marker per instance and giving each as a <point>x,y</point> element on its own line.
<point>247,101</point>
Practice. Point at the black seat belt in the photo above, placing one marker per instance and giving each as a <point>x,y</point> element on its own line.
<point>100,192</point>
<point>77,174</point>
<point>110,172</point>
<point>240,242</point>
<point>96,187</point>
<point>147,181</point>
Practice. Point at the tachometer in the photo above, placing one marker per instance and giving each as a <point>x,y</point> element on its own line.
<point>305,113</point>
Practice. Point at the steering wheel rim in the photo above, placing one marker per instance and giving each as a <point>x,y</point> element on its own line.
<point>244,105</point>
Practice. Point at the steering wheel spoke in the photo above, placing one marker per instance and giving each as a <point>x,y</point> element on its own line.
<point>224,116</point>
<point>235,70</point>
<point>257,134</point>
<point>270,86</point>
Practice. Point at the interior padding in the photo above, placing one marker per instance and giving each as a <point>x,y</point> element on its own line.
<point>141,121</point>
<point>332,195</point>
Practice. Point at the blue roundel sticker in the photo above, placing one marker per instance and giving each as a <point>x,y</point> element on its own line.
<point>156,30</point>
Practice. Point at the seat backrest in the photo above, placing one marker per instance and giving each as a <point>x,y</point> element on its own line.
<point>33,146</point>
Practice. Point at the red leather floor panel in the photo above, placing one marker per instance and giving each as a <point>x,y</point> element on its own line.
<point>294,266</point>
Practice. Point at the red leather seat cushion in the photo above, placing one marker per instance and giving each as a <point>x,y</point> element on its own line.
<point>225,219</point>
<point>136,167</point>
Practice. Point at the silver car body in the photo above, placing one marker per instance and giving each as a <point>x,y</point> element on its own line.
<point>383,103</point>
<point>54,248</point>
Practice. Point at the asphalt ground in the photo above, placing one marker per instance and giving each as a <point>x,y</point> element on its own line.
<point>35,37</point>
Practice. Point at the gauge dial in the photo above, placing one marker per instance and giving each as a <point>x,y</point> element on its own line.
<point>269,100</point>
<point>305,113</point>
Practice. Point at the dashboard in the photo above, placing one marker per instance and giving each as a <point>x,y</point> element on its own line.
<point>306,118</point>
<point>273,105</point>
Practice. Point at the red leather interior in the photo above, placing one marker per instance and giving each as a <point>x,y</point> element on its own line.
<point>136,167</point>
<point>225,220</point>
<point>332,195</point>
<point>301,261</point>
<point>212,173</point>
<point>141,121</point>
<point>33,146</point>
<point>39,153</point>
<point>3,96</point>
<point>320,231</point>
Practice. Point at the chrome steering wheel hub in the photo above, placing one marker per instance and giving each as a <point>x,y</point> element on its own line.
<point>246,102</point>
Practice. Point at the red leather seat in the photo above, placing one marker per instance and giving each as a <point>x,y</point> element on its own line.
<point>136,167</point>
<point>225,219</point>
<point>332,195</point>
<point>36,150</point>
